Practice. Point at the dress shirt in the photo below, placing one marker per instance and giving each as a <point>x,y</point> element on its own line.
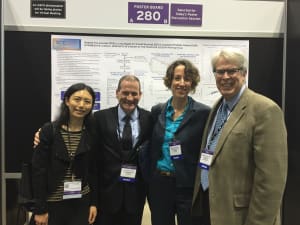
<point>165,163</point>
<point>230,106</point>
<point>134,122</point>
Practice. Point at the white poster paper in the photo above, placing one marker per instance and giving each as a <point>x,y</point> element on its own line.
<point>100,61</point>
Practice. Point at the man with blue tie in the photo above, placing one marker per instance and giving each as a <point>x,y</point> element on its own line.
<point>242,168</point>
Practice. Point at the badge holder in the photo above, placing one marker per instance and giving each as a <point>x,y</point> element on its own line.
<point>72,189</point>
<point>205,159</point>
<point>175,150</point>
<point>128,173</point>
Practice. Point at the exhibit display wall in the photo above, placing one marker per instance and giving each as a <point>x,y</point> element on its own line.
<point>26,66</point>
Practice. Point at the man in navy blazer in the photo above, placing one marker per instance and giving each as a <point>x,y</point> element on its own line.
<point>122,190</point>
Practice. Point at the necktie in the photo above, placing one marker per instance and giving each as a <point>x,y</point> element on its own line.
<point>220,121</point>
<point>127,134</point>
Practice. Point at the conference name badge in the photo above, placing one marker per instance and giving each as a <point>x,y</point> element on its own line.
<point>175,150</point>
<point>128,173</point>
<point>205,159</point>
<point>72,189</point>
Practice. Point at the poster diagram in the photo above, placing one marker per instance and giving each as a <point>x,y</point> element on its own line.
<point>100,61</point>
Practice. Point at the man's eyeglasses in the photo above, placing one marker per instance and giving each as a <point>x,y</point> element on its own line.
<point>230,72</point>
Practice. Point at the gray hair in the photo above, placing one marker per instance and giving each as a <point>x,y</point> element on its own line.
<point>231,55</point>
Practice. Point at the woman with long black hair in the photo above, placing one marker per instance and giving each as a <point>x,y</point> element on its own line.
<point>64,175</point>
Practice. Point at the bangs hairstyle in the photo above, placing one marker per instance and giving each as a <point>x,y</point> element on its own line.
<point>64,117</point>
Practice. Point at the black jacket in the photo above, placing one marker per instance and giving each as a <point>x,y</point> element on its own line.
<point>51,160</point>
<point>189,133</point>
<point>114,194</point>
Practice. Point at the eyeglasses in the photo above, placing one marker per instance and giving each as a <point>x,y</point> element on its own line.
<point>230,72</point>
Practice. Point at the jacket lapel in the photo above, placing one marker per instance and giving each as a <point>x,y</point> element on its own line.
<point>114,123</point>
<point>161,117</point>
<point>187,116</point>
<point>234,118</point>
<point>143,128</point>
<point>61,153</point>
<point>113,127</point>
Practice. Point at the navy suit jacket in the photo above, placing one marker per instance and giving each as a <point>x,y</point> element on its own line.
<point>189,133</point>
<point>112,192</point>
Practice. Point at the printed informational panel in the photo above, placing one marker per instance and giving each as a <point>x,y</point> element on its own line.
<point>101,61</point>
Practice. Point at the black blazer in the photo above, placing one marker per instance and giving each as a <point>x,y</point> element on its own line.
<point>50,161</point>
<point>112,192</point>
<point>189,133</point>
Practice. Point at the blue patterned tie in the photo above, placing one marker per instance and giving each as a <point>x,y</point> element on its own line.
<point>221,119</point>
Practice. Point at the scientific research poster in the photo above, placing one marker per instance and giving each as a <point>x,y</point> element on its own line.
<point>100,61</point>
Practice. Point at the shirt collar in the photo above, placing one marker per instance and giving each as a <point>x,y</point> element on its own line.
<point>121,114</point>
<point>170,107</point>
<point>232,102</point>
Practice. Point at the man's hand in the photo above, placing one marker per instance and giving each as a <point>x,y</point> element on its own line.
<point>92,214</point>
<point>36,139</point>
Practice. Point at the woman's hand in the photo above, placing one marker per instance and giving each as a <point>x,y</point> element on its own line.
<point>92,214</point>
<point>41,219</point>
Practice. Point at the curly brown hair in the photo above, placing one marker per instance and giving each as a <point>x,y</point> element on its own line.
<point>190,71</point>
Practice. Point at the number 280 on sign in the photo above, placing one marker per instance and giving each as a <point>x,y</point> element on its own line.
<point>147,13</point>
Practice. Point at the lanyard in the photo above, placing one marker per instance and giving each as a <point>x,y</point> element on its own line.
<point>217,130</point>
<point>71,154</point>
